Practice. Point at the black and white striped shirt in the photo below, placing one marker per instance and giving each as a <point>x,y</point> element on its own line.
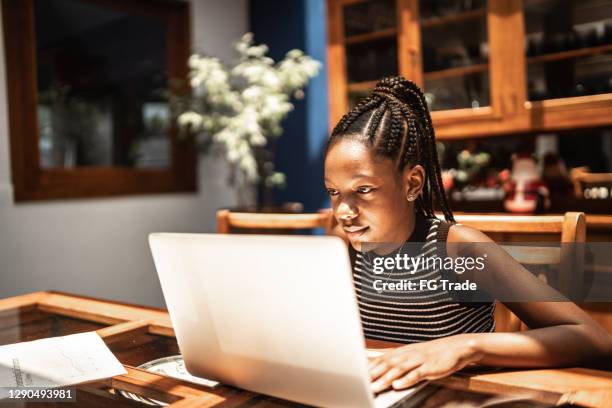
<point>415,316</point>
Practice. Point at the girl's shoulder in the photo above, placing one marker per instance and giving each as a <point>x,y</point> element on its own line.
<point>454,235</point>
<point>454,232</point>
<point>459,233</point>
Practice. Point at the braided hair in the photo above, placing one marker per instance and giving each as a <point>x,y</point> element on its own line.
<point>395,121</point>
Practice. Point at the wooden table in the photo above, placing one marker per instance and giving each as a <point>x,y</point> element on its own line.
<point>137,334</point>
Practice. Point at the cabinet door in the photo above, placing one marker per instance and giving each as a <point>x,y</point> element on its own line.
<point>472,64</point>
<point>455,53</point>
<point>568,46</point>
<point>363,48</point>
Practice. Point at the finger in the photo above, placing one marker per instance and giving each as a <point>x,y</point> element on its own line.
<point>408,380</point>
<point>385,380</point>
<point>378,369</point>
<point>373,361</point>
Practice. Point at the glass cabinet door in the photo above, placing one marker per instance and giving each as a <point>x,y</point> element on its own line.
<point>568,45</point>
<point>455,53</point>
<point>370,38</point>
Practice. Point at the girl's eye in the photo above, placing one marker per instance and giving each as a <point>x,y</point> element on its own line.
<point>364,190</point>
<point>332,192</point>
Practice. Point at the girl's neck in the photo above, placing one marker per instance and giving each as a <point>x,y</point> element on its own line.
<point>409,235</point>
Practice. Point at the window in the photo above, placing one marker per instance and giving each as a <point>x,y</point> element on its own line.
<point>88,84</point>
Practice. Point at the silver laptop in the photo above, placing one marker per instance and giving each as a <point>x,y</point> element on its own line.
<point>272,314</point>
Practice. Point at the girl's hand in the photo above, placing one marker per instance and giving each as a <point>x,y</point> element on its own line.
<point>407,365</point>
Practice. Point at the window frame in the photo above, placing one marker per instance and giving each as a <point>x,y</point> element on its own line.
<point>30,181</point>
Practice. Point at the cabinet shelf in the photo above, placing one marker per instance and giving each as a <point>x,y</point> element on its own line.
<point>376,35</point>
<point>430,76</point>
<point>454,18</point>
<point>582,52</point>
<point>455,72</point>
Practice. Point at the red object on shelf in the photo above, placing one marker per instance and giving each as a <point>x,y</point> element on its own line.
<point>525,191</point>
<point>525,196</point>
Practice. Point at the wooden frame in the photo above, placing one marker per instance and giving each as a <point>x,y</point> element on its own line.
<point>554,386</point>
<point>510,111</point>
<point>226,220</point>
<point>571,226</point>
<point>30,181</point>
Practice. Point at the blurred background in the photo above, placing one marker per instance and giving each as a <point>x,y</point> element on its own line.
<point>92,159</point>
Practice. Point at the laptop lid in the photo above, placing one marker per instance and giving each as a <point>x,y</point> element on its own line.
<point>272,314</point>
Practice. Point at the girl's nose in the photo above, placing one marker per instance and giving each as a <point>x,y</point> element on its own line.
<point>346,211</point>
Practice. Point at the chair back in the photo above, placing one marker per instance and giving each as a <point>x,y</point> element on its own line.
<point>571,228</point>
<point>269,222</point>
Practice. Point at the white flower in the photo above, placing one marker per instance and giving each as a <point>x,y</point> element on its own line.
<point>191,120</point>
<point>295,53</point>
<point>257,139</point>
<point>257,51</point>
<point>270,79</point>
<point>253,72</point>
<point>249,166</point>
<point>273,104</point>
<point>252,93</point>
<point>243,44</point>
<point>193,61</point>
<point>232,155</point>
<point>277,179</point>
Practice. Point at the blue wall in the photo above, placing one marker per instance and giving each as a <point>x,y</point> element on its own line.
<point>284,25</point>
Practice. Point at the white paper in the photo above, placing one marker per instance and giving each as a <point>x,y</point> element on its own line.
<point>57,362</point>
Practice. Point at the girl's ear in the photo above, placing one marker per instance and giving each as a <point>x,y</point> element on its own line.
<point>413,179</point>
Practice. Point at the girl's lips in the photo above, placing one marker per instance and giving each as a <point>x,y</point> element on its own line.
<point>355,231</point>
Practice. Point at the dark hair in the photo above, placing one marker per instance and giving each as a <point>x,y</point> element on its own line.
<point>395,121</point>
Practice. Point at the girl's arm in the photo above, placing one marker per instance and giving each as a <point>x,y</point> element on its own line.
<point>561,333</point>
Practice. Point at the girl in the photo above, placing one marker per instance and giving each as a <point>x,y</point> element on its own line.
<point>382,175</point>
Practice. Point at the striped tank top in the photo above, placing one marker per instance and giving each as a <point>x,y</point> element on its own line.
<point>415,316</point>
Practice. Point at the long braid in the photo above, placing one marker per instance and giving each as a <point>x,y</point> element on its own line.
<point>375,121</point>
<point>415,147</point>
<point>433,162</point>
<point>396,120</point>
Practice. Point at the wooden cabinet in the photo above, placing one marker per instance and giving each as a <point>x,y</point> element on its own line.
<point>486,67</point>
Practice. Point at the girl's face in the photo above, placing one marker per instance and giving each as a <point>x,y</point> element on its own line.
<point>372,201</point>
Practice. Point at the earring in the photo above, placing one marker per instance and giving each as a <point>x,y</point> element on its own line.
<point>410,197</point>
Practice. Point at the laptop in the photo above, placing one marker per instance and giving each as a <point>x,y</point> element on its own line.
<point>272,314</point>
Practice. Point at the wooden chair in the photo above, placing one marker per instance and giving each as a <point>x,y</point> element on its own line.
<point>227,220</point>
<point>501,228</point>
<point>581,177</point>
<point>507,228</point>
